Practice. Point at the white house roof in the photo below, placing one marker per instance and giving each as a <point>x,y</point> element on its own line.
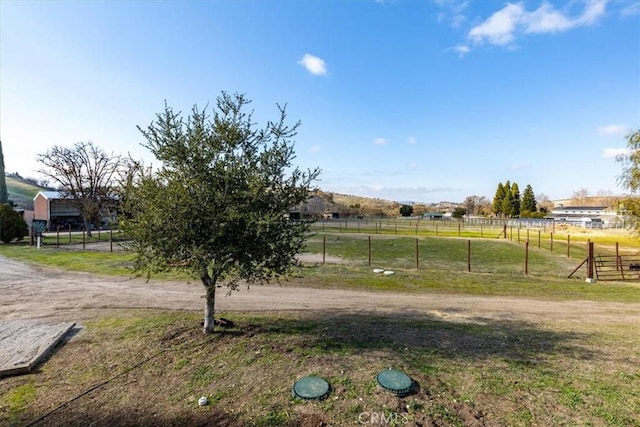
<point>50,194</point>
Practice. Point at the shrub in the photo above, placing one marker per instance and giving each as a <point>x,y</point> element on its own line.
<point>12,226</point>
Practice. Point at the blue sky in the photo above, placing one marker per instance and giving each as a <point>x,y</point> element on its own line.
<point>423,100</point>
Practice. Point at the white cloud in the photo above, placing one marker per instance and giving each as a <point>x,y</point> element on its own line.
<point>452,11</point>
<point>380,141</point>
<point>314,149</point>
<point>504,26</point>
<point>461,50</point>
<point>616,130</point>
<point>313,64</point>
<point>499,29</point>
<point>631,9</point>
<point>519,166</point>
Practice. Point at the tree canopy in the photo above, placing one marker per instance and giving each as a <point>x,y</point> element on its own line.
<point>629,179</point>
<point>12,225</point>
<point>406,210</point>
<point>497,199</point>
<point>529,204</point>
<point>4,195</point>
<point>508,202</point>
<point>216,207</point>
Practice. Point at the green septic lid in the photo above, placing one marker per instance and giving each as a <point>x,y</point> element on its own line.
<point>311,387</point>
<point>394,381</point>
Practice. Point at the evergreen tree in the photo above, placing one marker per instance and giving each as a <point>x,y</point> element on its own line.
<point>507,207</point>
<point>529,204</point>
<point>12,225</point>
<point>515,200</point>
<point>406,210</point>
<point>497,199</point>
<point>4,194</point>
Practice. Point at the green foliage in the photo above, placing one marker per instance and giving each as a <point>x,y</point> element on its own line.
<point>630,178</point>
<point>497,199</point>
<point>4,195</point>
<point>406,210</point>
<point>459,212</point>
<point>12,225</point>
<point>515,200</point>
<point>216,208</point>
<point>507,200</point>
<point>529,203</point>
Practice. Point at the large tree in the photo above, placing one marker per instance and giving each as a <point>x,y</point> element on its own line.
<point>507,200</point>
<point>216,207</point>
<point>4,194</point>
<point>528,204</point>
<point>515,200</point>
<point>85,174</point>
<point>406,210</point>
<point>498,198</point>
<point>629,179</point>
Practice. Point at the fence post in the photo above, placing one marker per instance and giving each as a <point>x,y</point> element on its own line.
<point>84,240</point>
<point>369,250</point>
<point>552,241</point>
<point>518,234</point>
<point>324,248</point>
<point>469,255</point>
<point>526,259</point>
<point>417,256</point>
<point>538,239</point>
<point>568,245</point>
<point>69,233</point>
<point>58,236</point>
<point>590,260</point>
<point>111,238</point>
<point>617,255</point>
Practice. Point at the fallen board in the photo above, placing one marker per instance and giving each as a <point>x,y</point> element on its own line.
<point>24,343</point>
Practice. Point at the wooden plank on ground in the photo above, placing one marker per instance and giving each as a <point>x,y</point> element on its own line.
<point>24,343</point>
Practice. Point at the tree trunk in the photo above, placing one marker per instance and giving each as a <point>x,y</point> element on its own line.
<point>87,227</point>
<point>209,308</point>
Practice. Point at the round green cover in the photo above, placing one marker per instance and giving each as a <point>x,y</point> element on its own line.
<point>395,381</point>
<point>311,387</point>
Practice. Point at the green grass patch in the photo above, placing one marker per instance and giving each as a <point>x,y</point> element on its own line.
<point>500,372</point>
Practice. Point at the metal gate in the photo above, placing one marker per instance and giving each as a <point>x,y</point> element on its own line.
<point>617,267</point>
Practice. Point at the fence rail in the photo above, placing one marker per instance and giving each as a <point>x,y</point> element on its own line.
<point>617,268</point>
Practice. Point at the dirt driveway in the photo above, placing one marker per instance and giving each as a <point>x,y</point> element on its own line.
<point>45,293</point>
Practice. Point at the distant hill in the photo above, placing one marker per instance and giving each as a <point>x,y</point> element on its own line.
<point>22,191</point>
<point>350,205</point>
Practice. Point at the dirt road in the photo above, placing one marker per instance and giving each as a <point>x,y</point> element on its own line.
<point>45,293</point>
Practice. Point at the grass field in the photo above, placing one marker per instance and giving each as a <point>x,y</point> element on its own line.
<point>149,367</point>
